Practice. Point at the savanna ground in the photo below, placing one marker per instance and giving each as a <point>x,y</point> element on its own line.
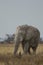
<point>7,57</point>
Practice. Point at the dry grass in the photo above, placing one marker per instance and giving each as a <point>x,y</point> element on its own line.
<point>9,48</point>
<point>7,57</point>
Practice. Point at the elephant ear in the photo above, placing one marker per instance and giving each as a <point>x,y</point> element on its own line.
<point>29,35</point>
<point>21,38</point>
<point>21,35</point>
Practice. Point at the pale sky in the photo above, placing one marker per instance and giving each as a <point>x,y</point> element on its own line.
<point>19,12</point>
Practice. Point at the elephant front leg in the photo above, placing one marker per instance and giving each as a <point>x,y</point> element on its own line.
<point>26,46</point>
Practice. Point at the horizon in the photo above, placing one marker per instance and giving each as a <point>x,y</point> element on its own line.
<point>4,36</point>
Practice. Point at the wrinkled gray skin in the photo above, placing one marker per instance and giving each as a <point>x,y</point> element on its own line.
<point>28,36</point>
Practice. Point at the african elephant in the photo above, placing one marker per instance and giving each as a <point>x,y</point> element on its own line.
<point>28,36</point>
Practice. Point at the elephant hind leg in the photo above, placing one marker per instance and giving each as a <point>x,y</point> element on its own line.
<point>34,50</point>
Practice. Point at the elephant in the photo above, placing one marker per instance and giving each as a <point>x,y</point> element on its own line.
<point>28,36</point>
